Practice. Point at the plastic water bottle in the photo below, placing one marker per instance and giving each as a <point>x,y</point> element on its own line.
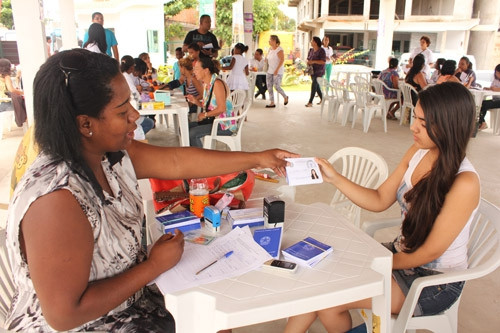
<point>198,196</point>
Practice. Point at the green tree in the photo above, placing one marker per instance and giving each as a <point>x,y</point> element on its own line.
<point>174,7</point>
<point>264,14</point>
<point>224,18</point>
<point>6,17</point>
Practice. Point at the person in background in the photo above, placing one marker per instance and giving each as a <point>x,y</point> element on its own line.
<point>329,54</point>
<point>96,41</point>
<point>215,103</point>
<point>203,37</point>
<point>437,70</point>
<point>194,51</point>
<point>49,45</point>
<point>390,77</point>
<point>275,70</point>
<point>438,191</point>
<point>178,55</point>
<point>257,64</point>
<point>127,67</point>
<point>494,103</point>
<point>75,224</point>
<point>423,50</point>
<point>111,42</point>
<point>237,78</point>
<point>316,58</point>
<point>192,85</point>
<point>465,73</point>
<point>151,72</point>
<point>8,91</point>
<point>416,76</point>
<point>448,72</point>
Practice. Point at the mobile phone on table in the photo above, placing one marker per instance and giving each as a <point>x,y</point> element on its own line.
<point>280,266</point>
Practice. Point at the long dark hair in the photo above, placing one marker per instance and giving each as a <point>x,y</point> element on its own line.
<point>97,36</point>
<point>418,65</point>
<point>449,112</point>
<point>70,83</point>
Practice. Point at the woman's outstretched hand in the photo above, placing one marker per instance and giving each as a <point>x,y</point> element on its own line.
<point>327,170</point>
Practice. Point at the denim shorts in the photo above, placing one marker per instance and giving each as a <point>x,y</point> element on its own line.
<point>432,299</point>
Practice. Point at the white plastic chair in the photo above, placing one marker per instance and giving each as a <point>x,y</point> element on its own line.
<point>232,141</point>
<point>407,102</point>
<point>6,284</point>
<point>484,257</point>
<point>6,118</point>
<point>363,167</point>
<point>239,99</point>
<point>379,86</point>
<point>368,103</point>
<point>330,97</point>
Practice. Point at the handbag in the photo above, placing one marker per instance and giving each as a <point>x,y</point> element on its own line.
<point>309,70</point>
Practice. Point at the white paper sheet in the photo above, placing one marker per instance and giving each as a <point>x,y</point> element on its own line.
<point>247,256</point>
<point>303,171</point>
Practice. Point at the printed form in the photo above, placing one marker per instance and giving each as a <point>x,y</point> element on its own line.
<point>247,255</point>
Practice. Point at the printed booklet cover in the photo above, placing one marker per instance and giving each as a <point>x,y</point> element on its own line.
<point>303,171</point>
<point>307,252</point>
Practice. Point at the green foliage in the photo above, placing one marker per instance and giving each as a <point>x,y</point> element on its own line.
<point>264,14</point>
<point>6,17</point>
<point>173,31</point>
<point>174,7</point>
<point>224,17</point>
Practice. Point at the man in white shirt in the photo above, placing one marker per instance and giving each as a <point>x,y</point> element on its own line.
<point>426,52</point>
<point>257,64</point>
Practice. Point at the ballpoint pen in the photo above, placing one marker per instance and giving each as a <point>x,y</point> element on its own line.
<point>227,255</point>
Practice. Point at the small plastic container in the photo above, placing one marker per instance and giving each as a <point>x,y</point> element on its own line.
<point>198,196</point>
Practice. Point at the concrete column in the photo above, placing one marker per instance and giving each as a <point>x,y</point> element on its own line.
<point>248,40</point>
<point>68,24</point>
<point>408,5</point>
<point>385,33</point>
<point>31,44</point>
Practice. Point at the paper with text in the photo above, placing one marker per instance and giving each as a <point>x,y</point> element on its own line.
<point>247,256</point>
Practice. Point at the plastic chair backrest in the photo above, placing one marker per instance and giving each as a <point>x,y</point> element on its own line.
<point>363,167</point>
<point>238,99</point>
<point>232,141</point>
<point>6,284</point>
<point>407,99</point>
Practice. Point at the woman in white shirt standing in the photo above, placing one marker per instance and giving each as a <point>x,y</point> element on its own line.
<point>426,52</point>
<point>275,61</point>
<point>97,39</point>
<point>329,53</point>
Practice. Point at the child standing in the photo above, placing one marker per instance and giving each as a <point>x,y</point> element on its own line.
<point>237,79</point>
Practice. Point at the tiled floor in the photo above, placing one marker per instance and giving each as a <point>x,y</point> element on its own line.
<point>303,131</point>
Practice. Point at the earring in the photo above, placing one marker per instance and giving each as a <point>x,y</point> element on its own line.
<point>90,133</point>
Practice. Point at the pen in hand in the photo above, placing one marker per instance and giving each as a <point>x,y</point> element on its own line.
<point>227,255</point>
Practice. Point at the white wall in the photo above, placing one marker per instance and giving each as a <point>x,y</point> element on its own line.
<point>131,25</point>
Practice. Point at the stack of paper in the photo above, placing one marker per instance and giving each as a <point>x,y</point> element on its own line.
<point>307,252</point>
<point>251,217</point>
<point>184,221</point>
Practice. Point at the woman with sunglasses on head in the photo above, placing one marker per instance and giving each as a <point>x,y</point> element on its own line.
<point>438,191</point>
<point>74,226</point>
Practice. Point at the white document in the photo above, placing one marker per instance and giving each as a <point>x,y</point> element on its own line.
<point>208,46</point>
<point>247,255</point>
<point>302,171</point>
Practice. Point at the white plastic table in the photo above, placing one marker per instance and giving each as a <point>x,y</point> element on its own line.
<point>358,268</point>
<point>180,110</point>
